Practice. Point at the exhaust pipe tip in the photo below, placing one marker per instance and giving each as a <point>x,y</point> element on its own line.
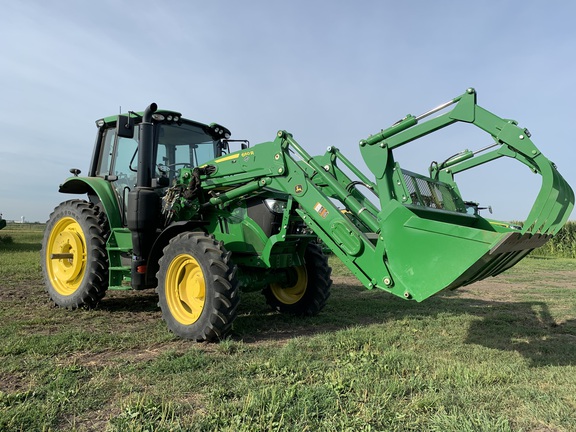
<point>151,109</point>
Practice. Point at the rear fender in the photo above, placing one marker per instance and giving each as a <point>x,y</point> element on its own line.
<point>102,189</point>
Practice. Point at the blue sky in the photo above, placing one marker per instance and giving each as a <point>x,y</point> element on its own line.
<point>330,72</point>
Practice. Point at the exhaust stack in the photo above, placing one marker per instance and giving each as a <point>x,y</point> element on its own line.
<point>143,202</point>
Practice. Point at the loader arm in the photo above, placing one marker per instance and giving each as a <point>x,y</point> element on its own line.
<point>420,240</point>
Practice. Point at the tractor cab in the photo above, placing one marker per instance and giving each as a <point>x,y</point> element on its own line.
<point>177,143</point>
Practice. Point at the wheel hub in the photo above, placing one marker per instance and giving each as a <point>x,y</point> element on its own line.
<point>66,256</point>
<point>186,289</point>
<point>293,293</point>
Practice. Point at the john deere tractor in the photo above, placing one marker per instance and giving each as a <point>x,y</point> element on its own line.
<point>170,206</point>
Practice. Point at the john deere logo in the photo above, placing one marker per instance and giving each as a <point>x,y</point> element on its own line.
<point>298,189</point>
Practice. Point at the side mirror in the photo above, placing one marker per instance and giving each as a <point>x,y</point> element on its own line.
<point>125,126</point>
<point>244,146</point>
<point>224,146</point>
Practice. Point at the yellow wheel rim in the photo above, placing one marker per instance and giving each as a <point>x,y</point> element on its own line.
<point>66,256</point>
<point>294,293</point>
<point>185,289</point>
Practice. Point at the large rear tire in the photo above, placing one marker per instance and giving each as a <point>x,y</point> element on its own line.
<point>197,288</point>
<point>74,259</point>
<point>311,289</point>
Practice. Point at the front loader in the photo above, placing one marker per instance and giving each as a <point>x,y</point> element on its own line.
<point>170,206</point>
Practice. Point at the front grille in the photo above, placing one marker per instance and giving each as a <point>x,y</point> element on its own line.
<point>430,193</point>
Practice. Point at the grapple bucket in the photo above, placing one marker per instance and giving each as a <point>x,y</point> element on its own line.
<point>430,248</point>
<point>425,256</point>
<point>421,239</point>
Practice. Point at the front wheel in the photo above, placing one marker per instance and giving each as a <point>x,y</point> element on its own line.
<point>197,287</point>
<point>74,259</point>
<point>310,286</point>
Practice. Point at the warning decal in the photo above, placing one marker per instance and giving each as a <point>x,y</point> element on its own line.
<point>321,210</point>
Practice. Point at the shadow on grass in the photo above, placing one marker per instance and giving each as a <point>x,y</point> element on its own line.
<point>524,327</point>
<point>527,328</point>
<point>130,301</point>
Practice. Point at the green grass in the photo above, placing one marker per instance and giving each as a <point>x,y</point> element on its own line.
<point>498,355</point>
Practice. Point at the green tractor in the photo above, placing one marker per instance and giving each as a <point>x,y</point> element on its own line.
<point>170,206</point>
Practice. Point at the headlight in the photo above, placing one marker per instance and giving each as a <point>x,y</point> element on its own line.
<point>275,206</point>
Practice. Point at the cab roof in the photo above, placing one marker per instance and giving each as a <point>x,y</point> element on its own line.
<point>165,116</point>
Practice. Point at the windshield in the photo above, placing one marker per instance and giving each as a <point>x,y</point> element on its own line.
<point>184,145</point>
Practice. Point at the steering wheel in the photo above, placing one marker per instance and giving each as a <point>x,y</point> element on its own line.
<point>165,168</point>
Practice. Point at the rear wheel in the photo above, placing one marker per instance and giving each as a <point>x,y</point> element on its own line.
<point>74,259</point>
<point>309,287</point>
<point>197,288</point>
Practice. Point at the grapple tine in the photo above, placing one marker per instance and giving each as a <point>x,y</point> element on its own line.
<point>563,201</point>
<point>564,205</point>
<point>553,203</point>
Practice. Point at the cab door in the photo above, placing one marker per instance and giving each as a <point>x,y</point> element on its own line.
<point>118,164</point>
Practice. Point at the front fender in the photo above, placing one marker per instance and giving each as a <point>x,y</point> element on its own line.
<point>160,243</point>
<point>102,189</point>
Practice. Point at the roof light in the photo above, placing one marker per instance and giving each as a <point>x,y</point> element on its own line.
<point>158,117</point>
<point>169,118</point>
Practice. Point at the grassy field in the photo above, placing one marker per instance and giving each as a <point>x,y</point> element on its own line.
<point>499,355</point>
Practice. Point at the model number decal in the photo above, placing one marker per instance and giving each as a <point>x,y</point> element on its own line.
<point>227,158</point>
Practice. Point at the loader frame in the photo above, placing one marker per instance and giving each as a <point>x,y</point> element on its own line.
<point>421,240</point>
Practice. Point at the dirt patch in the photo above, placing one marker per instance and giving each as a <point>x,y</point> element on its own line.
<point>93,421</point>
<point>12,383</point>
<point>108,358</point>
<point>506,287</point>
<point>20,290</point>
<point>281,337</point>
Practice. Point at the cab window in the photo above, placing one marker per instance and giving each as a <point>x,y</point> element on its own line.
<point>184,146</point>
<point>107,150</point>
